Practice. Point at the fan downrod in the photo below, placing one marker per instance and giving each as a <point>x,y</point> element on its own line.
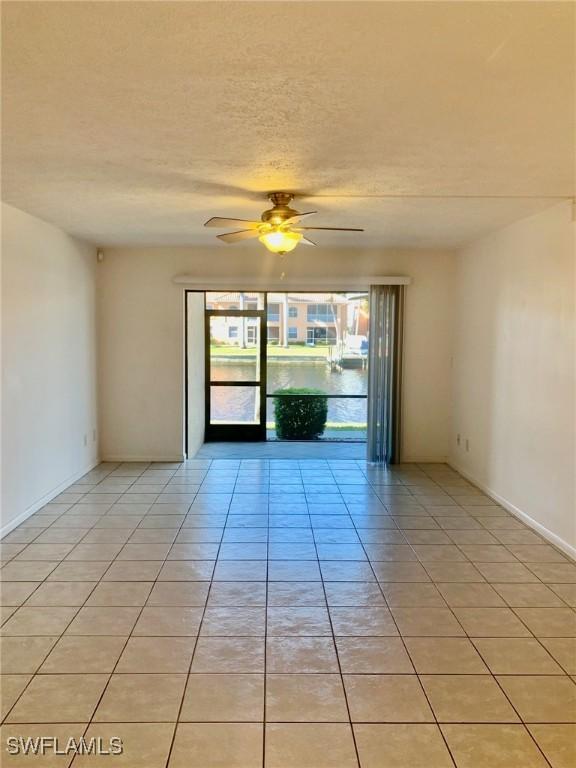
<point>280,198</point>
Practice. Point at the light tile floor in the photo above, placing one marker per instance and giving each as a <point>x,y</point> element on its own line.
<point>315,613</point>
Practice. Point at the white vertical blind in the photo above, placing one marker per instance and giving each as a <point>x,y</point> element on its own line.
<point>385,373</point>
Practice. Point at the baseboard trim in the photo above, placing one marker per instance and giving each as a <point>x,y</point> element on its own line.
<point>423,460</point>
<point>124,457</point>
<point>47,498</point>
<point>550,536</point>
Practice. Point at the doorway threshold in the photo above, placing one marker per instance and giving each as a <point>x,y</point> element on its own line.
<point>278,449</point>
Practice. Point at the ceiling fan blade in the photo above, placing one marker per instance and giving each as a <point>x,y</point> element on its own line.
<point>298,216</point>
<point>218,221</point>
<point>331,229</point>
<point>235,237</point>
<point>306,241</point>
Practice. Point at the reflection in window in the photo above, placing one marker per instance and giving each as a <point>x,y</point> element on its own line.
<point>320,335</point>
<point>320,312</point>
<point>274,312</point>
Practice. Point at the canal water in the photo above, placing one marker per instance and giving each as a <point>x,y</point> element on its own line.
<point>353,381</point>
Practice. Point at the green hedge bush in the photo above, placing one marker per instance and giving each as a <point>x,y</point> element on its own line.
<point>300,418</point>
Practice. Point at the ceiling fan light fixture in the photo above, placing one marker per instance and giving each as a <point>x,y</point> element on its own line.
<point>280,241</point>
<point>274,230</point>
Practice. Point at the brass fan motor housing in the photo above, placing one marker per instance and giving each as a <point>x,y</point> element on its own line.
<point>281,211</point>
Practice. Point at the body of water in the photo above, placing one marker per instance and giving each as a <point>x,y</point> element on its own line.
<point>237,403</point>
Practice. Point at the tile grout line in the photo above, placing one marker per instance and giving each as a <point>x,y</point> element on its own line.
<point>438,728</point>
<point>495,679</point>
<point>197,640</point>
<point>110,675</point>
<point>333,638</point>
<point>265,703</point>
<point>33,676</point>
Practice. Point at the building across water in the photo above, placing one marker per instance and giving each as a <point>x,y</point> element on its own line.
<point>292,318</point>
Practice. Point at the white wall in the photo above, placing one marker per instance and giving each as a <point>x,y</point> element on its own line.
<point>49,363</point>
<point>514,382</point>
<point>141,326</point>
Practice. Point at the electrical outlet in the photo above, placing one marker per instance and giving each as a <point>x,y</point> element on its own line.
<point>85,440</point>
<point>467,445</point>
<point>458,439</point>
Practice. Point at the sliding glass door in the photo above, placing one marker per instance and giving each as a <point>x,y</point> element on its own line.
<point>266,351</point>
<point>235,343</point>
<point>317,353</point>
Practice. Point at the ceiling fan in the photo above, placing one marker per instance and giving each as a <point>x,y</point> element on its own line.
<point>279,228</point>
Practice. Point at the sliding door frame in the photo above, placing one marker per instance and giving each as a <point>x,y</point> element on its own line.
<point>258,432</point>
<point>236,432</point>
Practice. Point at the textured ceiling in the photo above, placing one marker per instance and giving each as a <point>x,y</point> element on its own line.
<point>133,122</point>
